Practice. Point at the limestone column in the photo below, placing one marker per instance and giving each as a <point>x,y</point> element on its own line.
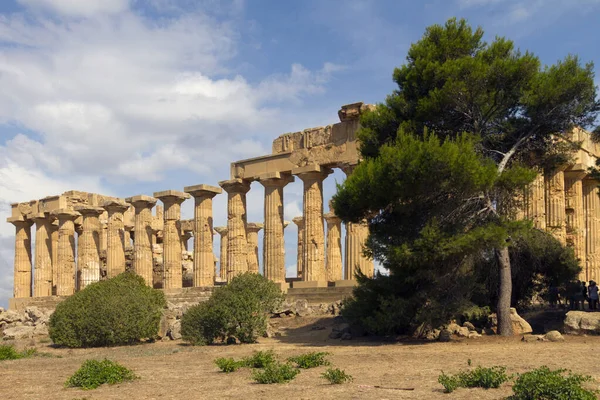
<point>237,241</point>
<point>115,249</point>
<point>535,202</point>
<point>185,238</point>
<point>172,268</point>
<point>314,231</point>
<point>88,246</point>
<point>222,231</point>
<point>204,258</point>
<point>334,247</point>
<point>273,239</point>
<point>556,219</point>
<point>252,230</point>
<point>591,207</point>
<point>575,222</point>
<point>42,274</point>
<point>66,251</point>
<point>53,232</point>
<point>299,221</point>
<point>142,245</point>
<point>23,262</point>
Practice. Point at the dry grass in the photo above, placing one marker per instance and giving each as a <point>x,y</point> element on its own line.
<point>170,370</point>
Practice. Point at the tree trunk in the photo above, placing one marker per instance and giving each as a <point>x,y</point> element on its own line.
<point>505,293</point>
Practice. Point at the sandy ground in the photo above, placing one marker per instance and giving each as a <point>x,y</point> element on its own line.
<point>172,370</point>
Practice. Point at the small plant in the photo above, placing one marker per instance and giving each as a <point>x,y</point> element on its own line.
<point>482,377</point>
<point>228,364</point>
<point>8,352</point>
<point>310,360</point>
<point>260,359</point>
<point>275,373</point>
<point>336,376</point>
<point>94,373</point>
<point>543,383</point>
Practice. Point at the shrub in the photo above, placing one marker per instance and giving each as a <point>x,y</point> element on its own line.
<point>260,359</point>
<point>121,310</point>
<point>481,377</point>
<point>94,373</point>
<point>336,376</point>
<point>542,383</point>
<point>310,360</point>
<point>275,373</point>
<point>228,364</point>
<point>236,311</point>
<point>8,352</point>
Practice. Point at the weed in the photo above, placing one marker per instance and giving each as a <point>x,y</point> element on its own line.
<point>543,383</point>
<point>336,376</point>
<point>275,373</point>
<point>310,360</point>
<point>228,364</point>
<point>94,373</point>
<point>260,359</point>
<point>481,377</point>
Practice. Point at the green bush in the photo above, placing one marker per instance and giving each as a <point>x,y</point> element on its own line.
<point>236,311</point>
<point>121,310</point>
<point>260,359</point>
<point>481,377</point>
<point>336,376</point>
<point>8,352</point>
<point>94,373</point>
<point>228,364</point>
<point>310,360</point>
<point>275,373</point>
<point>542,383</point>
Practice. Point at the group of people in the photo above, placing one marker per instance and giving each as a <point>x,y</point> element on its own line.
<point>577,293</point>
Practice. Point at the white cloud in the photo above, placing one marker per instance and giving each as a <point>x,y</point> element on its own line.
<point>84,8</point>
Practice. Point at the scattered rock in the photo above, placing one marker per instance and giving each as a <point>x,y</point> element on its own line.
<point>531,338</point>
<point>445,335</point>
<point>40,330</point>
<point>453,327</point>
<point>19,332</point>
<point>463,332</point>
<point>433,334</point>
<point>11,316</point>
<point>519,325</point>
<point>578,323</point>
<point>175,330</point>
<point>302,308</point>
<point>469,326</point>
<point>554,336</point>
<point>346,336</point>
<point>473,335</point>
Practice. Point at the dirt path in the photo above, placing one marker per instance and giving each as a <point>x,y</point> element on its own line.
<point>170,370</point>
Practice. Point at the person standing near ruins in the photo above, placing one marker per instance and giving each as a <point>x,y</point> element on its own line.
<point>593,296</point>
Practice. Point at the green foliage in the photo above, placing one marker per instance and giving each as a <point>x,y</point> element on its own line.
<point>260,359</point>
<point>543,383</point>
<point>94,373</point>
<point>476,315</point>
<point>310,360</point>
<point>336,376</point>
<point>118,311</point>
<point>238,310</point>
<point>8,352</point>
<point>275,373</point>
<point>228,364</point>
<point>482,377</point>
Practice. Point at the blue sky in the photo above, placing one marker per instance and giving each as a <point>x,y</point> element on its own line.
<point>127,97</point>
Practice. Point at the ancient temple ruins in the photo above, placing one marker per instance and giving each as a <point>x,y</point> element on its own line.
<point>81,238</point>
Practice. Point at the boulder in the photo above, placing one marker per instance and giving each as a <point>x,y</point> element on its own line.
<point>302,308</point>
<point>40,330</point>
<point>582,323</point>
<point>19,332</point>
<point>445,335</point>
<point>554,336</point>
<point>175,330</point>
<point>453,327</point>
<point>11,316</point>
<point>469,326</point>
<point>519,325</point>
<point>473,335</point>
<point>433,334</point>
<point>463,332</point>
<point>37,315</point>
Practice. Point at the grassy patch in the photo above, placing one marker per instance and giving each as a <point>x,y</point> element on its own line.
<point>481,377</point>
<point>260,359</point>
<point>310,360</point>
<point>94,373</point>
<point>8,352</point>
<point>228,364</point>
<point>543,383</point>
<point>275,373</point>
<point>336,376</point>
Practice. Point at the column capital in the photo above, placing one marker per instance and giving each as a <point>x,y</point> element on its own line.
<point>254,227</point>
<point>285,224</point>
<point>234,186</point>
<point>203,191</point>
<point>64,214</point>
<point>171,196</point>
<point>19,221</point>
<point>331,218</point>
<point>348,168</point>
<point>221,230</point>
<point>91,211</point>
<point>298,221</point>
<point>275,179</point>
<point>141,201</point>
<point>312,172</point>
<point>115,206</point>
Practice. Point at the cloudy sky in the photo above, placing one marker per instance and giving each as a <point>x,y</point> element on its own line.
<point>126,97</point>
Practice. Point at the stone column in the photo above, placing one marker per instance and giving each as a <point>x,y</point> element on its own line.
<point>204,258</point>
<point>314,231</point>
<point>53,232</point>
<point>142,245</point>
<point>591,206</point>
<point>185,238</point>
<point>42,275</point>
<point>88,245</point>
<point>66,251</point>
<point>334,247</point>
<point>172,268</point>
<point>556,219</point>
<point>23,262</point>
<point>535,202</point>
<point>115,250</point>
<point>299,221</point>
<point>222,231</point>
<point>237,241</point>
<point>575,223</point>
<point>356,235</point>
<point>252,230</point>
<point>273,239</point>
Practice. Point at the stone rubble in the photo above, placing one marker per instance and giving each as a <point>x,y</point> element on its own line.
<point>23,325</point>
